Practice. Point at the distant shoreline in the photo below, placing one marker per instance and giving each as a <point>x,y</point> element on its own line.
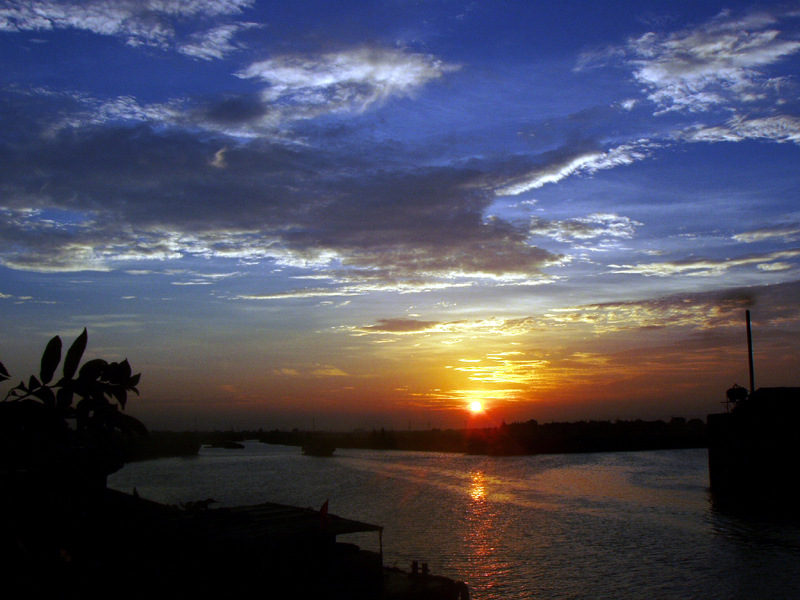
<point>528,438</point>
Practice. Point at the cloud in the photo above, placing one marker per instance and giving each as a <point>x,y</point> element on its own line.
<point>352,80</point>
<point>775,266</point>
<point>555,169</point>
<point>93,248</point>
<point>327,371</point>
<point>125,109</point>
<point>121,195</point>
<point>491,326</point>
<point>721,62</point>
<point>359,284</point>
<point>776,304</point>
<point>786,233</point>
<point>52,112</point>
<point>705,267</point>
<point>196,278</point>
<point>219,159</point>
<point>723,68</point>
<point>214,43</point>
<point>291,88</point>
<point>313,370</point>
<point>779,128</point>
<point>506,368</point>
<point>696,311</point>
<point>23,299</point>
<point>139,23</point>
<point>300,294</point>
<point>399,326</point>
<point>583,228</point>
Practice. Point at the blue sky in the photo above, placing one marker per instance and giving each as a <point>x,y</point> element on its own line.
<point>370,214</point>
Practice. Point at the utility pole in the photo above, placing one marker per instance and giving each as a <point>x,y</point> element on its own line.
<point>750,352</point>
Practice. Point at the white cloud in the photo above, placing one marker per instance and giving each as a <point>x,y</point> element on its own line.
<point>788,233</point>
<point>705,267</point>
<point>126,108</point>
<point>780,128</point>
<point>589,162</point>
<point>298,88</point>
<point>214,43</point>
<point>714,64</point>
<point>348,80</point>
<point>775,266</point>
<point>584,228</point>
<point>140,23</point>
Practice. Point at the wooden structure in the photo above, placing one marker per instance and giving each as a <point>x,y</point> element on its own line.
<point>124,546</point>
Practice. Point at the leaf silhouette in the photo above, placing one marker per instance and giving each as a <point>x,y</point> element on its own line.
<point>93,369</point>
<point>99,391</point>
<point>125,368</point>
<point>74,354</point>
<point>46,395</point>
<point>121,395</point>
<point>50,360</point>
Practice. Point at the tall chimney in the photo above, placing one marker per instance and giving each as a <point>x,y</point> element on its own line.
<point>750,352</point>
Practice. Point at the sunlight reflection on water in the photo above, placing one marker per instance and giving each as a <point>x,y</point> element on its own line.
<point>622,525</point>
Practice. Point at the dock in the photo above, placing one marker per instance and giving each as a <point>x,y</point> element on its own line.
<point>131,547</point>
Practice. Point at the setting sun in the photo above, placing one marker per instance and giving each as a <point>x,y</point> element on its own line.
<point>476,407</point>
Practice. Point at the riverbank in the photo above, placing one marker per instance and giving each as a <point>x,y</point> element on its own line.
<point>514,439</point>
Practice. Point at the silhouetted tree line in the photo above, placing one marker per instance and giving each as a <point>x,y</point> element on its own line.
<point>587,436</point>
<point>530,437</point>
<point>516,438</point>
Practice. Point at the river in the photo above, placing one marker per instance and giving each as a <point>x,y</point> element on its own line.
<point>604,525</point>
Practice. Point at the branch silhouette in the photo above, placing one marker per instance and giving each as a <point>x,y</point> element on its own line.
<point>46,424</point>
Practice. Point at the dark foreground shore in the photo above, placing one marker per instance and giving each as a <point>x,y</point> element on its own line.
<point>110,544</point>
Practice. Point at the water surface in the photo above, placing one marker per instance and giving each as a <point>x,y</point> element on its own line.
<point>613,525</point>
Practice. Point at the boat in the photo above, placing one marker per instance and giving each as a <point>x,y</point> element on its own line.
<point>753,447</point>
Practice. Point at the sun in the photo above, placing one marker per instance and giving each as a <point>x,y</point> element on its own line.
<point>476,407</point>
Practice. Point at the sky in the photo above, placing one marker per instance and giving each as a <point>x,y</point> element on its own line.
<point>370,214</point>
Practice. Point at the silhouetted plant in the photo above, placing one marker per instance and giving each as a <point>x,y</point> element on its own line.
<point>73,424</point>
